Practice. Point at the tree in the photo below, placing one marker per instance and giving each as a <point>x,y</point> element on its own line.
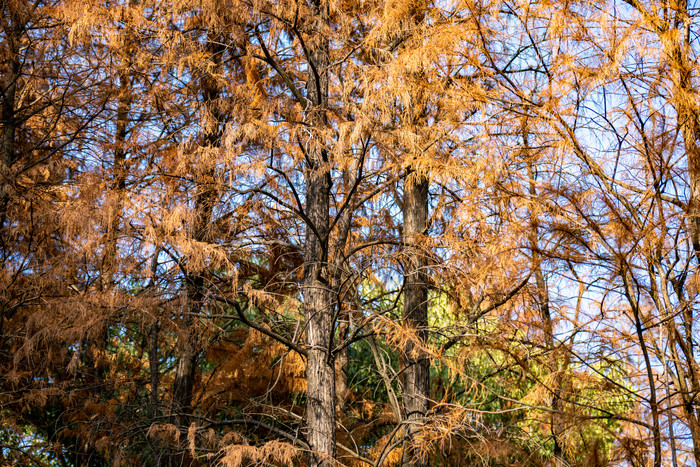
<point>365,233</point>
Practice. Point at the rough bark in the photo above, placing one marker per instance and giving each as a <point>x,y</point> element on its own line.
<point>685,101</point>
<point>319,318</point>
<point>10,68</point>
<point>318,303</point>
<point>415,302</point>
<point>187,353</point>
<point>686,104</point>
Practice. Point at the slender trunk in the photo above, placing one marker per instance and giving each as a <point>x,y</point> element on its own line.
<point>350,178</point>
<point>154,367</point>
<point>119,172</point>
<point>415,314</point>
<point>341,361</point>
<point>187,352</point>
<point>318,301</point>
<point>558,429</point>
<point>205,198</point>
<point>557,425</point>
<point>679,377</point>
<point>96,360</point>
<point>653,401</point>
<point>669,414</point>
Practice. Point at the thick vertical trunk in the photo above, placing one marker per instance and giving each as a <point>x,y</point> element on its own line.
<point>319,370</point>
<point>9,121</point>
<point>318,302</point>
<point>318,311</point>
<point>686,105</point>
<point>416,363</point>
<point>415,303</point>
<point>685,380</point>
<point>685,102</point>
<point>10,66</point>
<point>9,124</point>
<point>10,69</point>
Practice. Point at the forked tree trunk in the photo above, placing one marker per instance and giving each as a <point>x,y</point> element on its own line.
<point>318,303</point>
<point>415,314</point>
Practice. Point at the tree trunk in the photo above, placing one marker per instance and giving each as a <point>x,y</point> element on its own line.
<point>557,425</point>
<point>415,314</point>
<point>339,277</point>
<point>341,362</point>
<point>319,320</point>
<point>686,105</point>
<point>154,368</point>
<point>187,353</point>
<point>8,90</point>
<point>318,303</point>
<point>558,429</point>
<point>205,198</point>
<point>653,402</point>
<point>686,383</point>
